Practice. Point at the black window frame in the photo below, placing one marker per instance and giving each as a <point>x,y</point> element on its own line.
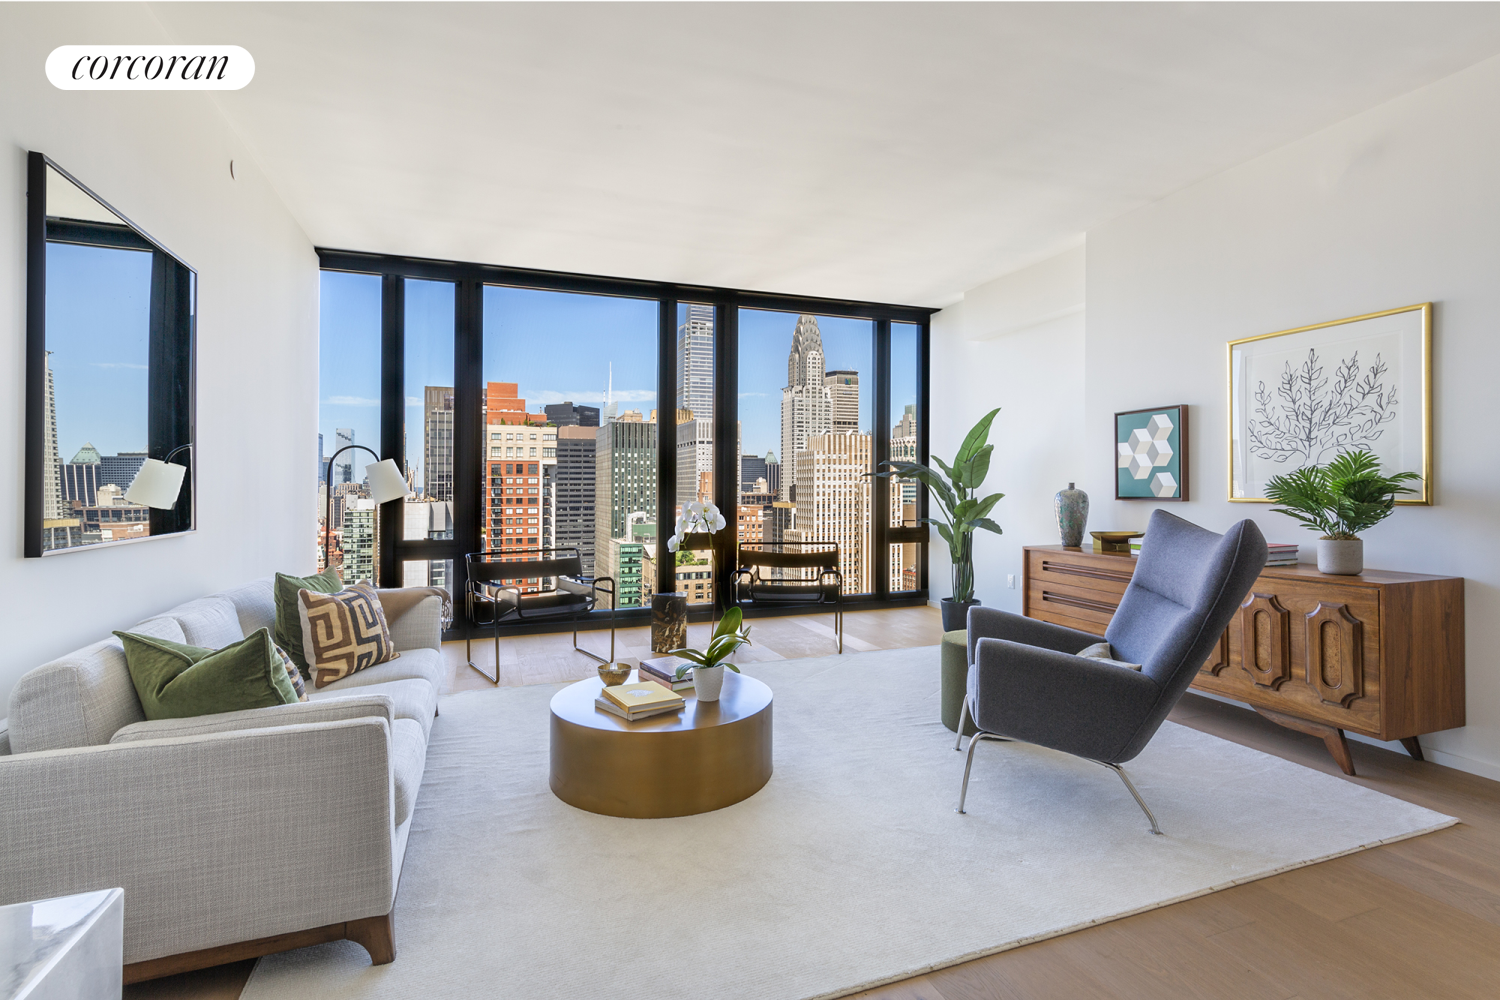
<point>470,279</point>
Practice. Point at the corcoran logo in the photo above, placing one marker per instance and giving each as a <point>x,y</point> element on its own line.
<point>149,67</point>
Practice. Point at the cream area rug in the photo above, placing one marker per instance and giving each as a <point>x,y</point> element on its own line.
<point>849,869</point>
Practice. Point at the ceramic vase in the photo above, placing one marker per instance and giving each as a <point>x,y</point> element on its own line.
<point>1072,508</point>
<point>1341,557</point>
<point>708,682</point>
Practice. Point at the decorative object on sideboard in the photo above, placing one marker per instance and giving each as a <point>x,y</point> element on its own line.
<point>1071,506</point>
<point>1151,456</point>
<point>668,621</point>
<point>708,664</point>
<point>955,490</point>
<point>1115,541</point>
<point>1299,397</point>
<point>1341,499</point>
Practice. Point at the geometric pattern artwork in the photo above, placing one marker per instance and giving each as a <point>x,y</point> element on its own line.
<point>1150,458</point>
<point>343,633</point>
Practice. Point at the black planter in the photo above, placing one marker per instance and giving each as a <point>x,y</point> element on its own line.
<point>955,614</point>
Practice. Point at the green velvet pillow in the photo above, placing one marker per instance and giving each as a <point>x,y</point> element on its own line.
<point>177,681</point>
<point>288,633</point>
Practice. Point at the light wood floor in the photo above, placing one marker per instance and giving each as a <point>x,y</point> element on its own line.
<point>1416,919</point>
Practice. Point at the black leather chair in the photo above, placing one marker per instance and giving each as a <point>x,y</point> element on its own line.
<point>492,599</point>
<point>783,574</point>
<point>1026,682</point>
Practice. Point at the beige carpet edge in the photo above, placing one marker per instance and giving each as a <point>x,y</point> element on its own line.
<point>1449,821</point>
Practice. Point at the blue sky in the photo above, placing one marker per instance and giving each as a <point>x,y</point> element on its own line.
<point>98,329</point>
<point>560,346</point>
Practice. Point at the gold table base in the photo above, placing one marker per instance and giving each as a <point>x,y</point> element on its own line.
<point>706,757</point>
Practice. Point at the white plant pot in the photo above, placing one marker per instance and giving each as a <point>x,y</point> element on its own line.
<point>1341,557</point>
<point>708,682</point>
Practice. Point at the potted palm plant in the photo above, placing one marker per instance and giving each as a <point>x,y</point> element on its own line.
<point>1340,500</point>
<point>956,490</point>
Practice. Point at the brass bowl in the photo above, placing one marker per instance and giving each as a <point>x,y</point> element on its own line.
<point>614,673</point>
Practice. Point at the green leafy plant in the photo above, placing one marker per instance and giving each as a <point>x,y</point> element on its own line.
<point>1342,498</point>
<point>956,490</point>
<point>730,635</point>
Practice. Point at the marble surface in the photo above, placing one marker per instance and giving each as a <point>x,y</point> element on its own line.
<point>71,946</point>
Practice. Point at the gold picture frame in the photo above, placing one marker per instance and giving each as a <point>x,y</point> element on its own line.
<point>1324,398</point>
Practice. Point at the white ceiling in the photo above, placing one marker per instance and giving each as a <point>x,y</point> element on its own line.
<point>893,152</point>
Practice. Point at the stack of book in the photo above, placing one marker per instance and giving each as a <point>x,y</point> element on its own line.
<point>639,700</point>
<point>663,670</point>
<point>1281,555</point>
<point>1135,546</point>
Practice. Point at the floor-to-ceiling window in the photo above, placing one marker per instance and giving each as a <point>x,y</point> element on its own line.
<point>534,411</point>
<point>806,408</point>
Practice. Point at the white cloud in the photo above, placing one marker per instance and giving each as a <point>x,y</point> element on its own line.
<point>747,395</point>
<point>413,400</point>
<point>350,401</point>
<point>118,364</point>
<point>589,397</point>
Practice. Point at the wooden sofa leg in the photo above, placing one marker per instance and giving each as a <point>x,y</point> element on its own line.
<point>377,935</point>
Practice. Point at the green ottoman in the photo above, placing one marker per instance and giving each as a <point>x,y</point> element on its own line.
<point>955,660</point>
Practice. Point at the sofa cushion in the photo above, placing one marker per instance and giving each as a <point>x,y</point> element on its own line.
<point>255,604</point>
<point>408,761</point>
<point>79,700</point>
<point>160,627</point>
<point>410,699</point>
<point>420,664</point>
<point>288,630</point>
<point>210,622</point>
<point>177,681</point>
<point>374,706</point>
<point>343,633</point>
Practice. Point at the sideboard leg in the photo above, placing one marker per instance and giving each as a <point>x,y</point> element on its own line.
<point>1333,739</point>
<point>1413,747</point>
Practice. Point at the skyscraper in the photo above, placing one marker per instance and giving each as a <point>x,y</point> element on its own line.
<point>624,484</point>
<point>343,468</point>
<point>573,492</point>
<point>695,362</point>
<point>437,443</point>
<point>806,401</point>
<point>567,415</point>
<point>322,464</point>
<point>358,540</point>
<point>903,561</point>
<point>833,502</point>
<point>752,467</point>
<point>81,478</point>
<point>119,470</point>
<point>695,458</point>
<point>843,388</point>
<point>52,495</point>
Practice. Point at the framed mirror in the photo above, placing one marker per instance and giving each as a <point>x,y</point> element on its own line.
<point>110,329</point>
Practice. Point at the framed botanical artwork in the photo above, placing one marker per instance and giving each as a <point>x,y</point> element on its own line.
<point>1151,457</point>
<point>1301,397</point>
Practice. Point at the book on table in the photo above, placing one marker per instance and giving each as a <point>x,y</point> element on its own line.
<point>663,670</point>
<point>639,695</point>
<point>605,705</point>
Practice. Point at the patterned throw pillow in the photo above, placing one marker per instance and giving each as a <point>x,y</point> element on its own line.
<point>343,633</point>
<point>293,674</point>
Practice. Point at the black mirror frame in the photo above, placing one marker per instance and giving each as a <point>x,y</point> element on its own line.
<point>173,397</point>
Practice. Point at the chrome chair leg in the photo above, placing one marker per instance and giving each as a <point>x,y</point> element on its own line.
<point>469,656</point>
<point>963,723</point>
<point>963,792</point>
<point>1137,795</point>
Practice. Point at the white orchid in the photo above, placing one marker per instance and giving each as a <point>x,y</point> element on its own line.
<point>696,517</point>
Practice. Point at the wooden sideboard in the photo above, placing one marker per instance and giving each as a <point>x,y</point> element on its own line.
<point>1381,654</point>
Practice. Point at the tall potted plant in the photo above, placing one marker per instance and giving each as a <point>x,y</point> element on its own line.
<point>730,634</point>
<point>1340,500</point>
<point>956,491</point>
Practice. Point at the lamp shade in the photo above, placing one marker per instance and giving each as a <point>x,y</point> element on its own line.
<point>386,481</point>
<point>157,484</point>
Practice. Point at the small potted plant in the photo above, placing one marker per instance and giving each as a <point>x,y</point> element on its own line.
<point>1340,500</point>
<point>956,490</point>
<point>709,663</point>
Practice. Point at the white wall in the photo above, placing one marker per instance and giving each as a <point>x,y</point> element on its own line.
<point>163,160</point>
<point>1016,343</point>
<point>1396,206</point>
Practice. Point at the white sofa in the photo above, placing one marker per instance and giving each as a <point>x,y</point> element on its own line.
<point>232,835</point>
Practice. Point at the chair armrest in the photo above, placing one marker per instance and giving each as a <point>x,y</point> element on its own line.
<point>354,706</point>
<point>4,738</point>
<point>215,839</point>
<point>1059,700</point>
<point>991,623</point>
<point>415,617</point>
<point>573,586</point>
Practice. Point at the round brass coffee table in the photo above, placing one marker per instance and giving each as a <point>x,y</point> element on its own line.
<point>705,757</point>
